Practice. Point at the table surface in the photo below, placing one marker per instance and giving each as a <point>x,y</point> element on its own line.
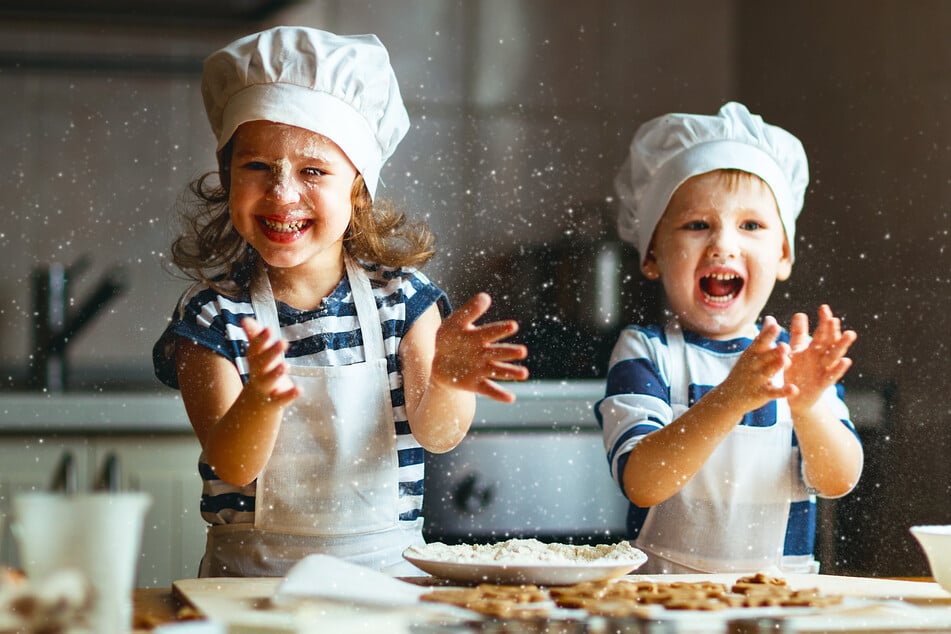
<point>156,606</point>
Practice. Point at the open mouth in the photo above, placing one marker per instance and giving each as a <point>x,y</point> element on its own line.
<point>283,231</point>
<point>289,226</point>
<point>721,288</point>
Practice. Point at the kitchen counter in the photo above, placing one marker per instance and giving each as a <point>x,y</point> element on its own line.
<point>84,412</point>
<point>549,404</point>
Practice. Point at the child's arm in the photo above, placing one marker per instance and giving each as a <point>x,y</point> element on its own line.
<point>832,456</point>
<point>236,424</point>
<point>666,459</point>
<point>444,365</point>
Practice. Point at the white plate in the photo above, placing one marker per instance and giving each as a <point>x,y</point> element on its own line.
<point>543,574</point>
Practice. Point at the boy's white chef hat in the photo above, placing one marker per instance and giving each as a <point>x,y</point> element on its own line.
<point>342,87</point>
<point>668,150</point>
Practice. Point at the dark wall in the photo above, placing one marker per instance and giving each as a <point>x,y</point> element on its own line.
<point>867,87</point>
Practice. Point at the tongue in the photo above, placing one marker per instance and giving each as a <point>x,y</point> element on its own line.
<point>718,288</point>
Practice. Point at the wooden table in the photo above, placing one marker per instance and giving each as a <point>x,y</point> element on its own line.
<point>154,606</point>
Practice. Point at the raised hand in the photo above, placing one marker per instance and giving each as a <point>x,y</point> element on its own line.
<point>817,362</point>
<point>751,383</point>
<point>470,357</point>
<point>267,372</point>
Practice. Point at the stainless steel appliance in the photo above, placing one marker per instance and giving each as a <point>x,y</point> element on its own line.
<point>536,468</point>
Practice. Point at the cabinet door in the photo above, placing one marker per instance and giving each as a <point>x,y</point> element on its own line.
<point>28,463</point>
<point>166,467</point>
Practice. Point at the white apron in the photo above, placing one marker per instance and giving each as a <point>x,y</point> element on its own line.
<point>732,515</point>
<point>331,483</point>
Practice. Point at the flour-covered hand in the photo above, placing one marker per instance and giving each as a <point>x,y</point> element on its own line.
<point>751,383</point>
<point>267,372</point>
<point>472,357</point>
<point>817,362</point>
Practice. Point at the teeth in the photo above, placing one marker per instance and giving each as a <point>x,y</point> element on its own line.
<point>285,227</point>
<point>721,277</point>
<point>722,299</point>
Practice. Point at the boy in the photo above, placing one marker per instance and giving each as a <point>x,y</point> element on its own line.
<point>721,431</point>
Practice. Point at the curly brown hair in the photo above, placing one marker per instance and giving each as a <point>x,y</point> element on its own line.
<point>210,249</point>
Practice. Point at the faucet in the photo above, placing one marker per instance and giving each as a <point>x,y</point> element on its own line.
<point>56,325</point>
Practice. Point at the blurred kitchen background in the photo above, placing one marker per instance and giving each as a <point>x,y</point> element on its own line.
<point>522,111</point>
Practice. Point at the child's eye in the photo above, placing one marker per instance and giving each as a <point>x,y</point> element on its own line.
<point>751,225</point>
<point>696,225</point>
<point>255,166</point>
<point>313,171</point>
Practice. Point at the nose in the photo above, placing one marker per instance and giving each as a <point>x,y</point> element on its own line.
<point>283,188</point>
<point>724,244</point>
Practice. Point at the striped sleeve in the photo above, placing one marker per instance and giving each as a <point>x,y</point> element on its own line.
<point>637,397</point>
<point>208,319</point>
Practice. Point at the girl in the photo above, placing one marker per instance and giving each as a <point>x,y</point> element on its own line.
<point>310,353</point>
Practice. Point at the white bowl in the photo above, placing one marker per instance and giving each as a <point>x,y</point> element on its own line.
<point>936,542</point>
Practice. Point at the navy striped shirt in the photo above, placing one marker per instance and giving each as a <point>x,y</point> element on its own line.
<point>637,402</point>
<point>327,336</point>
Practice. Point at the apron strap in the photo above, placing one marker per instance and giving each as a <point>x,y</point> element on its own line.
<point>262,301</point>
<point>367,313</point>
<point>265,308</point>
<point>677,368</point>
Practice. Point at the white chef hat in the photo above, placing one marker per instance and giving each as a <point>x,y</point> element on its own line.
<point>668,150</point>
<point>342,87</point>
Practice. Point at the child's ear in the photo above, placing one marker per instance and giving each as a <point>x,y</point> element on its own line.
<point>784,270</point>
<point>649,266</point>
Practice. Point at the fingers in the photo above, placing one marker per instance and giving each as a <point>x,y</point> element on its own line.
<point>465,317</point>
<point>799,332</point>
<point>781,358</point>
<point>491,389</point>
<point>493,366</point>
<point>822,362</point>
<point>839,368</point>
<point>834,363</point>
<point>267,371</point>
<point>753,378</point>
<point>263,351</point>
<point>769,331</point>
<point>508,372</point>
<point>506,352</point>
<point>829,327</point>
<point>842,344</point>
<point>497,330</point>
<point>468,313</point>
<point>829,339</point>
<point>252,327</point>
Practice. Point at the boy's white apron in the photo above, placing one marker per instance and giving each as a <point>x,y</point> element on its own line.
<point>732,515</point>
<point>331,484</point>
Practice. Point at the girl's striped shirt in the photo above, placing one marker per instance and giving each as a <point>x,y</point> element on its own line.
<point>327,336</point>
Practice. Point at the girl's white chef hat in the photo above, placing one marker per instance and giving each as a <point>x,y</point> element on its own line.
<point>668,150</point>
<point>342,87</point>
